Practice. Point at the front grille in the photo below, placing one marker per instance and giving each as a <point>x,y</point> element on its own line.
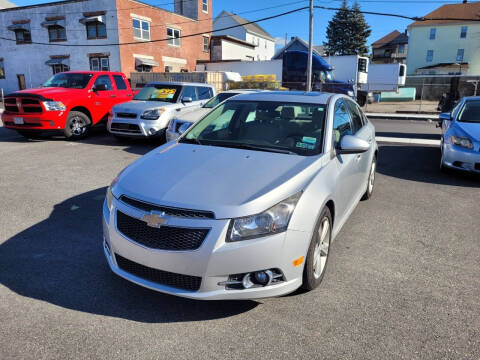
<point>163,238</point>
<point>179,281</point>
<point>11,108</point>
<point>126,128</point>
<point>32,109</point>
<point>126,115</point>
<point>195,214</point>
<point>29,106</point>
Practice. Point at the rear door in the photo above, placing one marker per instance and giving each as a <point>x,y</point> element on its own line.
<point>123,92</point>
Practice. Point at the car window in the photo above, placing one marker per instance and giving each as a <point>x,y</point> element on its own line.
<point>119,82</point>
<point>355,114</point>
<point>470,112</point>
<point>204,92</point>
<point>218,99</point>
<point>189,91</point>
<point>342,123</point>
<point>104,80</point>
<point>159,92</point>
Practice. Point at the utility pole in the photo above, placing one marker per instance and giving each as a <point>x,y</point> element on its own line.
<point>310,50</point>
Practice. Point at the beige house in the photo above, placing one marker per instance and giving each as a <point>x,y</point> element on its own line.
<point>446,47</point>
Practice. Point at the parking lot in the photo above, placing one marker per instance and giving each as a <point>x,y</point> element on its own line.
<point>402,280</point>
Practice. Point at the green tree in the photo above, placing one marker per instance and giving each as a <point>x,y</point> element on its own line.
<point>347,32</point>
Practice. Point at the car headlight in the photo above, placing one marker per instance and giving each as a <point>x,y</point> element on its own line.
<point>54,106</point>
<point>350,93</point>
<point>272,221</point>
<point>462,141</point>
<point>152,114</point>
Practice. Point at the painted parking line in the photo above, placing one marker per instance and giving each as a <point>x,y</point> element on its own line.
<point>407,140</point>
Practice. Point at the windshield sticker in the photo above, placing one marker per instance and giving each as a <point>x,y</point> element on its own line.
<point>309,140</point>
<point>163,93</point>
<point>303,145</point>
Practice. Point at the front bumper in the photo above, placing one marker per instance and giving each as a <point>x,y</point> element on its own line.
<point>48,120</point>
<point>460,158</point>
<point>136,127</point>
<point>213,261</point>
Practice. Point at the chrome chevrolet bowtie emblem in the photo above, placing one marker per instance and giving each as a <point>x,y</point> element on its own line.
<point>155,220</point>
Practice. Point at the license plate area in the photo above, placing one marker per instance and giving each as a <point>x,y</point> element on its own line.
<point>18,121</point>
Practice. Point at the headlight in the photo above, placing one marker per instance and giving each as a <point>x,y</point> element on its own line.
<point>272,221</point>
<point>54,106</point>
<point>350,93</point>
<point>153,114</point>
<point>462,141</point>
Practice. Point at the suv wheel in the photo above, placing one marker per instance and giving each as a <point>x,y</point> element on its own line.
<point>77,125</point>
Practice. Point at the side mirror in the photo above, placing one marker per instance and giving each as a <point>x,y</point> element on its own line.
<point>184,127</point>
<point>445,116</point>
<point>100,87</point>
<point>350,144</point>
<point>187,99</point>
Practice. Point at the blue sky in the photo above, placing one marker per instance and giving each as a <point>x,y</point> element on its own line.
<point>297,24</point>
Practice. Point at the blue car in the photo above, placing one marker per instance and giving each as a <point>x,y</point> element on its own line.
<point>460,143</point>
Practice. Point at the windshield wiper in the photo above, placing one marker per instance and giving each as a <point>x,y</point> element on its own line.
<point>249,147</point>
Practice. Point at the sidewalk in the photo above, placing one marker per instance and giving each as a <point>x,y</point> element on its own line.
<point>406,116</point>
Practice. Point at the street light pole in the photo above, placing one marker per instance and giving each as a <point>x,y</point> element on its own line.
<point>310,50</point>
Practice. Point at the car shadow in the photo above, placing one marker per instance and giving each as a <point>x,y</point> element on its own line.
<point>60,260</point>
<point>420,163</point>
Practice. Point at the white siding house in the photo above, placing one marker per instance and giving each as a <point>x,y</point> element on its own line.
<point>61,26</point>
<point>252,33</point>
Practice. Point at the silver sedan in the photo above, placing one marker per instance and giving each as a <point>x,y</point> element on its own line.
<point>460,143</point>
<point>246,203</point>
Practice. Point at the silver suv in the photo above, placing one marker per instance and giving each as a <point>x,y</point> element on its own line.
<point>150,111</point>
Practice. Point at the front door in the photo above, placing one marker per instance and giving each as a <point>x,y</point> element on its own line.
<point>21,82</point>
<point>103,99</point>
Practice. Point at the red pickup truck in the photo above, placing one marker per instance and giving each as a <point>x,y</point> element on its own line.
<point>70,102</point>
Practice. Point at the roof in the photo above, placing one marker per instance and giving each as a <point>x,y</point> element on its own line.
<point>39,5</point>
<point>4,4</point>
<point>465,64</point>
<point>395,37</point>
<point>319,49</point>
<point>470,10</point>
<point>287,96</point>
<point>233,39</point>
<point>251,28</point>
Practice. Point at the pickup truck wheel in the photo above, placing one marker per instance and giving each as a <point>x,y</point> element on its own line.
<point>77,125</point>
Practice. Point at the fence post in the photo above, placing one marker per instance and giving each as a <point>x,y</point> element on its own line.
<point>421,96</point>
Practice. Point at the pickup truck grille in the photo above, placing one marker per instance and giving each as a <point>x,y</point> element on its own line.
<point>23,105</point>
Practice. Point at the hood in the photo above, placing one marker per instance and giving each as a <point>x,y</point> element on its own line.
<point>137,106</point>
<point>470,129</point>
<point>229,182</point>
<point>194,115</point>
<point>46,93</point>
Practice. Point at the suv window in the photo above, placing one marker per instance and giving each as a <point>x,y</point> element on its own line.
<point>119,82</point>
<point>356,115</point>
<point>104,79</point>
<point>204,93</point>
<point>189,91</point>
<point>342,123</point>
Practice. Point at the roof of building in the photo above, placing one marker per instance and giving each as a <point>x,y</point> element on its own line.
<point>469,10</point>
<point>395,37</point>
<point>4,4</point>
<point>319,49</point>
<point>251,28</point>
<point>233,39</point>
<point>439,65</point>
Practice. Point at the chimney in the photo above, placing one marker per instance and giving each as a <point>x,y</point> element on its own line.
<point>464,1</point>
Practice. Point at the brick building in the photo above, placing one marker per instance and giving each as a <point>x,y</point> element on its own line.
<point>33,54</point>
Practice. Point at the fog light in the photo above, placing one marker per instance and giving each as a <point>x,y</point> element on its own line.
<point>247,281</point>
<point>263,277</point>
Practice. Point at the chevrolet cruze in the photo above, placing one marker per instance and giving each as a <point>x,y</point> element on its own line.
<point>246,203</point>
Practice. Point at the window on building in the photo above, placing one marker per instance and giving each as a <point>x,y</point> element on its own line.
<point>143,68</point>
<point>401,48</point>
<point>205,6</point>
<point>57,33</point>
<point>429,55</point>
<point>173,36</point>
<point>463,32</point>
<point>58,68</point>
<point>2,69</point>
<point>96,30</point>
<point>206,41</point>
<point>120,82</point>
<point>433,33</point>
<point>99,63</point>
<point>104,80</point>
<point>168,68</point>
<point>141,29</point>
<point>23,36</point>
<point>460,53</point>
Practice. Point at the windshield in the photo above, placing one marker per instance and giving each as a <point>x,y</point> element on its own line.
<point>69,80</point>
<point>159,92</point>
<point>218,99</point>
<point>292,128</point>
<point>470,112</point>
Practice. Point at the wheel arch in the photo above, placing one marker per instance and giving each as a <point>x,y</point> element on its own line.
<point>83,110</point>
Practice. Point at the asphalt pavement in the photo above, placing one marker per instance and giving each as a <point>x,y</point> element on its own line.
<point>402,281</point>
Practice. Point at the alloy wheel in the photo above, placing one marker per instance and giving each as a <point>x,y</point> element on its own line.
<point>78,126</point>
<point>322,245</point>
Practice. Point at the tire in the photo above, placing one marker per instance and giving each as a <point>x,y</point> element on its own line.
<point>361,100</point>
<point>371,180</point>
<point>77,125</point>
<point>29,134</point>
<point>317,255</point>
